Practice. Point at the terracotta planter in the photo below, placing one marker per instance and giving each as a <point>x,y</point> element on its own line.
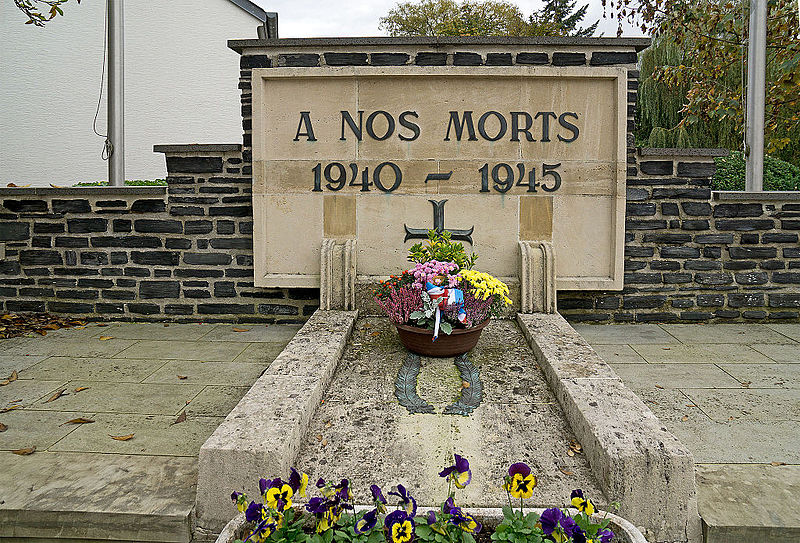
<point>420,340</point>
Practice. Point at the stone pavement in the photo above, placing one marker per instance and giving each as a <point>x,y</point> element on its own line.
<point>731,394</point>
<point>129,378</point>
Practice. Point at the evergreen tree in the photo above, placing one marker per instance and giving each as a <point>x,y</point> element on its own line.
<point>560,18</point>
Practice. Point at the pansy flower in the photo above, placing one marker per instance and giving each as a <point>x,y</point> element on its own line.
<point>399,527</point>
<point>343,490</point>
<point>435,524</point>
<point>254,512</point>
<point>298,481</point>
<point>520,482</point>
<point>279,495</point>
<point>605,536</point>
<point>240,500</point>
<point>263,485</point>
<point>378,499</point>
<point>584,505</point>
<point>550,519</point>
<point>465,522</point>
<point>366,522</point>
<point>459,472</point>
<point>407,501</point>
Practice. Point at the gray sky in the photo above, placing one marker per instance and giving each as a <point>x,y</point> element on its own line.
<point>309,18</point>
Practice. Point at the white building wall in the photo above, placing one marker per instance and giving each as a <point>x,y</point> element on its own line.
<point>180,87</point>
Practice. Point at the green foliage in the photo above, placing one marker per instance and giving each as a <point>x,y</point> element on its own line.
<point>441,247</point>
<point>518,528</point>
<point>128,183</point>
<point>731,171</point>
<point>483,18</point>
<point>32,9</point>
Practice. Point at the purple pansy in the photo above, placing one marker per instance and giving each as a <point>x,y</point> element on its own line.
<point>367,522</point>
<point>605,535</point>
<point>253,513</point>
<point>407,501</point>
<point>550,519</point>
<point>459,472</point>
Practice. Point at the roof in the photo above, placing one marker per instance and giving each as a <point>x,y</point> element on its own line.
<point>252,9</point>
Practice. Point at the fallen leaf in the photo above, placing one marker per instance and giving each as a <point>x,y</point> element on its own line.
<point>10,379</point>
<point>102,324</point>
<point>79,420</point>
<point>11,408</point>
<point>375,333</point>
<point>324,442</point>
<point>575,448</point>
<point>241,329</point>
<point>570,452</point>
<point>328,424</point>
<point>181,418</point>
<point>12,185</point>
<point>777,463</point>
<point>79,389</point>
<point>465,384</point>
<point>746,384</point>
<point>105,338</point>
<point>25,452</point>
<point>52,326</point>
<point>666,348</point>
<point>56,186</point>
<point>182,377</point>
<point>166,325</point>
<point>3,427</point>
<point>57,395</point>
<point>659,386</point>
<point>122,438</point>
<point>685,418</point>
<point>319,437</point>
<point>41,332</point>
<point>566,471</point>
<point>690,405</point>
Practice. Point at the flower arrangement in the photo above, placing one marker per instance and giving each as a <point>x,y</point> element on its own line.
<point>333,517</point>
<point>441,291</point>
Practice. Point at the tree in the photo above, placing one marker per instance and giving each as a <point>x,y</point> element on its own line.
<point>32,8</point>
<point>709,37</point>
<point>483,18</point>
<point>560,18</point>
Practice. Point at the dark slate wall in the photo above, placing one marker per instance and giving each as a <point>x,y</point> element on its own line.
<point>691,258</point>
<point>184,253</point>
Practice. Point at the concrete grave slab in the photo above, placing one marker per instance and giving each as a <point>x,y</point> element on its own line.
<point>764,405</point>
<point>785,354</point>
<point>102,397</point>
<point>745,503</point>
<point>623,334</point>
<point>154,435</point>
<point>729,353</point>
<point>184,350</point>
<point>206,373</point>
<point>93,369</point>
<point>155,506</point>
<point>671,406</point>
<point>725,333</point>
<point>765,375</point>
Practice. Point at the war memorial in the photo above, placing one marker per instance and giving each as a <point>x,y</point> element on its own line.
<point>355,150</point>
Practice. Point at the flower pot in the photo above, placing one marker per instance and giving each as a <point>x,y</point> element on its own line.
<point>624,531</point>
<point>420,340</point>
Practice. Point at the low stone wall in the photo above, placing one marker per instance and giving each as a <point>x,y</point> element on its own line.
<point>180,252</point>
<point>692,255</point>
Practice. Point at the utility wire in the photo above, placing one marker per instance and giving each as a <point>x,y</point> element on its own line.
<point>108,147</point>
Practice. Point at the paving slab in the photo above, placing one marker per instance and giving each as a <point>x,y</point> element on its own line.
<point>765,375</point>
<point>216,401</point>
<point>785,354</point>
<point>623,334</point>
<point>725,333</point>
<point>746,503</point>
<point>639,377</point>
<point>155,435</point>
<point>168,331</point>
<point>619,354</point>
<point>763,405</point>
<point>192,372</point>
<point>92,496</point>
<point>41,429</point>
<point>791,331</point>
<point>269,333</point>
<point>89,347</point>
<point>102,397</point>
<point>701,354</point>
<point>183,350</point>
<point>9,364</point>
<point>260,353</point>
<point>27,392</point>
<point>92,369</point>
<point>671,405</point>
<point>519,419</point>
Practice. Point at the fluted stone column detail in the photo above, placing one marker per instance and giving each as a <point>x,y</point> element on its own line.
<point>337,274</point>
<point>537,274</point>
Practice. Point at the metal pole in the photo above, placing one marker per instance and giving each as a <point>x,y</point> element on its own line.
<point>116,93</point>
<point>756,80</point>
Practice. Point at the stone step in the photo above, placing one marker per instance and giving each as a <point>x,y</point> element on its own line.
<point>742,503</point>
<point>83,497</point>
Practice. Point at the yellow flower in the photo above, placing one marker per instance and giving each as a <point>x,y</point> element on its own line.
<point>280,496</point>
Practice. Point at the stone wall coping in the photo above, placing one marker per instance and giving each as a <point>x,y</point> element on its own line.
<point>683,151</point>
<point>263,433</point>
<point>437,41</point>
<point>766,195</point>
<point>157,190</point>
<point>633,456</point>
<point>196,147</point>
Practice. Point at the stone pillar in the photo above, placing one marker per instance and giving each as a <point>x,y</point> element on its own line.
<point>537,275</point>
<point>337,274</point>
